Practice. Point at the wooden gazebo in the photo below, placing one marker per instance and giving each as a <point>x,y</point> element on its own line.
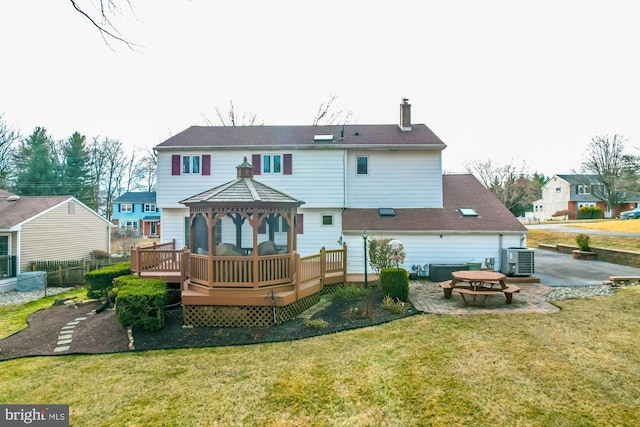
<point>232,283</point>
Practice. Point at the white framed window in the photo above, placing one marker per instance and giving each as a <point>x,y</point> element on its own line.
<point>126,207</point>
<point>128,225</point>
<point>191,165</point>
<point>4,245</point>
<point>149,207</point>
<point>362,165</point>
<point>272,163</point>
<point>582,205</point>
<point>327,220</point>
<point>584,189</point>
<point>558,189</point>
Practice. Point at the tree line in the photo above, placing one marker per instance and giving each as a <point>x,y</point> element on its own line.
<point>606,158</point>
<point>94,171</point>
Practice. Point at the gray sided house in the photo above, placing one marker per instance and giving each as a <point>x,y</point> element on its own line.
<point>46,228</point>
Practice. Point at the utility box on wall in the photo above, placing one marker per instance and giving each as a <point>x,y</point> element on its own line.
<point>442,272</point>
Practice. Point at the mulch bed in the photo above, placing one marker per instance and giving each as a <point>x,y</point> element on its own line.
<point>101,333</point>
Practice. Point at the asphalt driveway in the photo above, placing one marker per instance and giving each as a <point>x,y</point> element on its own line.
<point>556,269</point>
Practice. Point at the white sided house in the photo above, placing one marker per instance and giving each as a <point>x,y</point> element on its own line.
<point>385,179</point>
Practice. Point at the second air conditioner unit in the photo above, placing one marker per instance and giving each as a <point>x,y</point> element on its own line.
<point>517,262</point>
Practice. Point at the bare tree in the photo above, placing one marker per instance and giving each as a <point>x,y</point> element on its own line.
<point>100,14</point>
<point>617,171</point>
<point>231,117</point>
<point>147,167</point>
<point>329,114</point>
<point>7,138</point>
<point>513,186</point>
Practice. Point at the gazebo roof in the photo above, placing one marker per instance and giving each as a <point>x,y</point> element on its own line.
<point>243,190</point>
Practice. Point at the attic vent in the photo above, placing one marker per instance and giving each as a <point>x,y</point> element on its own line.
<point>468,212</point>
<point>323,138</point>
<point>386,212</point>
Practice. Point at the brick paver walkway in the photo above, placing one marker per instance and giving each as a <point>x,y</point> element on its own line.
<point>428,297</point>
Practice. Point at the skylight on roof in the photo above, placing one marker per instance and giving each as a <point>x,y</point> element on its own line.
<point>468,212</point>
<point>323,138</point>
<point>386,212</point>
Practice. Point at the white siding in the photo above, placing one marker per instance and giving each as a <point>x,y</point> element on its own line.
<point>317,176</point>
<point>316,235</point>
<point>552,200</point>
<point>172,222</point>
<point>396,179</point>
<point>433,249</point>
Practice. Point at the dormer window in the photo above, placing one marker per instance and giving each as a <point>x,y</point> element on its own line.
<point>468,212</point>
<point>584,189</point>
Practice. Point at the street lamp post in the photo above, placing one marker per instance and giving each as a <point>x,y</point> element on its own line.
<point>364,239</point>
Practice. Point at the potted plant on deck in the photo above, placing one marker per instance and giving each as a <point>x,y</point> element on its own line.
<point>583,251</point>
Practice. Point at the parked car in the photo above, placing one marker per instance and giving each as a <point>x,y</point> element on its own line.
<point>634,213</point>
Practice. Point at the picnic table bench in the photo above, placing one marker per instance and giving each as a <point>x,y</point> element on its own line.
<point>478,283</point>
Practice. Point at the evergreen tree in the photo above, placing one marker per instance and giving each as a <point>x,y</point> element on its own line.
<point>76,174</point>
<point>36,167</point>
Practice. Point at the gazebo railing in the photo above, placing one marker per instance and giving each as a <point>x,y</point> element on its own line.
<point>238,271</point>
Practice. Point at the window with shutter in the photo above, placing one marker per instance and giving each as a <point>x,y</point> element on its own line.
<point>299,223</point>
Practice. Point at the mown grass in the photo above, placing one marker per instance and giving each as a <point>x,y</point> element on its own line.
<point>14,318</point>
<point>575,367</point>
<point>553,237</point>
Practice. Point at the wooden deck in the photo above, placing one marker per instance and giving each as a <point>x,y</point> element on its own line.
<point>274,280</point>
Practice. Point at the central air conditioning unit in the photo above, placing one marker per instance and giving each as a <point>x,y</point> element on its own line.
<point>517,262</point>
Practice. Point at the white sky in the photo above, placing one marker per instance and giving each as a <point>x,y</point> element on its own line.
<point>501,80</point>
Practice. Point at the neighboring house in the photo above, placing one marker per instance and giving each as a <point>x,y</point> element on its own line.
<point>385,179</point>
<point>137,211</point>
<point>571,192</point>
<point>47,228</point>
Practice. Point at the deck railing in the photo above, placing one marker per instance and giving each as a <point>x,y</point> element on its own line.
<point>241,271</point>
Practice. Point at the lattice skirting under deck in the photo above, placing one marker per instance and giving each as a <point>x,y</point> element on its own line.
<point>244,316</point>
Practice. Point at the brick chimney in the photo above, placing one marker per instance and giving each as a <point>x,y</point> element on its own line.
<point>405,115</point>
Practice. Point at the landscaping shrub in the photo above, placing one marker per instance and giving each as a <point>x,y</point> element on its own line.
<point>140,302</point>
<point>582,240</point>
<point>380,254</point>
<point>589,212</point>
<point>567,214</point>
<point>100,281</point>
<point>394,306</point>
<point>394,282</point>
<point>351,292</point>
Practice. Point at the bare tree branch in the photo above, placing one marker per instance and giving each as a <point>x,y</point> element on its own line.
<point>231,118</point>
<point>106,28</point>
<point>328,114</point>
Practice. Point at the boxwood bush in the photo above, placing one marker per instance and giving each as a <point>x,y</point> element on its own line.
<point>100,281</point>
<point>140,302</point>
<point>394,283</point>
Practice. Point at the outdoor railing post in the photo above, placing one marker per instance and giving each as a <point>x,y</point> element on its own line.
<point>344,261</point>
<point>323,266</point>
<point>297,282</point>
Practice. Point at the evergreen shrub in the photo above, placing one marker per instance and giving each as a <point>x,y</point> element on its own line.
<point>394,283</point>
<point>140,302</point>
<point>100,281</point>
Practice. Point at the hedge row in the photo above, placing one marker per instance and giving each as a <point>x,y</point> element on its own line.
<point>394,282</point>
<point>140,302</point>
<point>100,281</point>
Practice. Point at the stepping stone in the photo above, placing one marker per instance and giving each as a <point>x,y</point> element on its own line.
<point>63,342</point>
<point>81,318</point>
<point>73,323</point>
<point>65,336</point>
<point>68,327</point>
<point>62,348</point>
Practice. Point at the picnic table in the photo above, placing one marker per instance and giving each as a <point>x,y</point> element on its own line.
<point>474,283</point>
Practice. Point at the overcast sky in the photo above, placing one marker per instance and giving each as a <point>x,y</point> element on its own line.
<point>510,81</point>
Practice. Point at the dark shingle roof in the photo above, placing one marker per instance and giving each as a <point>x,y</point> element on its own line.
<point>581,179</point>
<point>421,137</point>
<point>137,197</point>
<point>458,191</point>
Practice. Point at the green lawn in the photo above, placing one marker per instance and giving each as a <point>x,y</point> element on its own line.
<point>575,367</point>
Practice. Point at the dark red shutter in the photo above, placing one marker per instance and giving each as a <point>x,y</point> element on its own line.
<point>299,223</point>
<point>287,164</point>
<point>206,164</point>
<point>255,160</point>
<point>175,164</point>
